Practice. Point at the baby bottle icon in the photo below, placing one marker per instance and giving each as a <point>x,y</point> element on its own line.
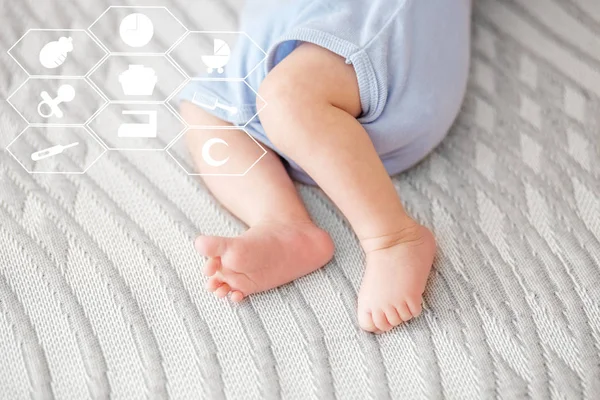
<point>54,54</point>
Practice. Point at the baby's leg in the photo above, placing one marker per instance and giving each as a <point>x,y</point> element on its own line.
<point>313,103</point>
<point>282,243</point>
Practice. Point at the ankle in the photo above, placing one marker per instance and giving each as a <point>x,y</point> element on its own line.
<point>287,219</point>
<point>409,231</point>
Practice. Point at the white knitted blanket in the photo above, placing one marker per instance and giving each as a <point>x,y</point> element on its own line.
<point>101,292</point>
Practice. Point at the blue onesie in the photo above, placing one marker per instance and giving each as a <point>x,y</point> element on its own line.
<point>411,59</point>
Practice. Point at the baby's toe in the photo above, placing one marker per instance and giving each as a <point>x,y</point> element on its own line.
<point>222,290</point>
<point>381,321</point>
<point>403,311</point>
<point>213,283</point>
<point>212,266</point>
<point>392,316</point>
<point>237,296</point>
<point>415,305</point>
<point>211,246</point>
<point>365,321</point>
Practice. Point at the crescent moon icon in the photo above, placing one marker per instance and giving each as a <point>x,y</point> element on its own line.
<point>206,152</point>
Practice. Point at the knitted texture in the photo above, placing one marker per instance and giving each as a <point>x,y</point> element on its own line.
<point>101,291</point>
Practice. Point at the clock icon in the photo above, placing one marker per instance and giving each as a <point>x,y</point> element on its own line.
<point>136,30</point>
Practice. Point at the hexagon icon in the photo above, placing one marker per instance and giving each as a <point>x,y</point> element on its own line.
<point>56,150</point>
<point>137,78</point>
<point>215,96</point>
<point>53,52</point>
<point>56,101</point>
<point>136,126</point>
<point>217,55</point>
<point>143,29</point>
<point>217,152</point>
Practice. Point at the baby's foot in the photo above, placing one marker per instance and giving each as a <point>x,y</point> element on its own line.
<point>395,277</point>
<point>264,257</point>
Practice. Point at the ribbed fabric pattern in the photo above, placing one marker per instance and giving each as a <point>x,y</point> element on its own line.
<point>101,293</point>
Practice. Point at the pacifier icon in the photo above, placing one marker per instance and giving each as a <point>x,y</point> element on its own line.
<point>65,94</point>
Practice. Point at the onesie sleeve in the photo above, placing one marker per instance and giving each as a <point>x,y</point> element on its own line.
<point>363,32</point>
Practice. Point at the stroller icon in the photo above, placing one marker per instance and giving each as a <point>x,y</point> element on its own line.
<point>220,57</point>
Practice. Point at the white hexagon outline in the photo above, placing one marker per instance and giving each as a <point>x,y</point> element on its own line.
<point>220,128</point>
<point>89,29</point>
<point>104,150</point>
<point>175,92</point>
<point>94,39</point>
<point>218,80</point>
<point>261,62</point>
<point>169,109</point>
<point>185,78</point>
<point>57,77</point>
<point>92,84</point>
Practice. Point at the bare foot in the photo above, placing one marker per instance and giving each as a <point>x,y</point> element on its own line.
<point>264,257</point>
<point>395,276</point>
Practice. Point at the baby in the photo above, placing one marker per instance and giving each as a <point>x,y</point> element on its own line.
<point>356,91</point>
